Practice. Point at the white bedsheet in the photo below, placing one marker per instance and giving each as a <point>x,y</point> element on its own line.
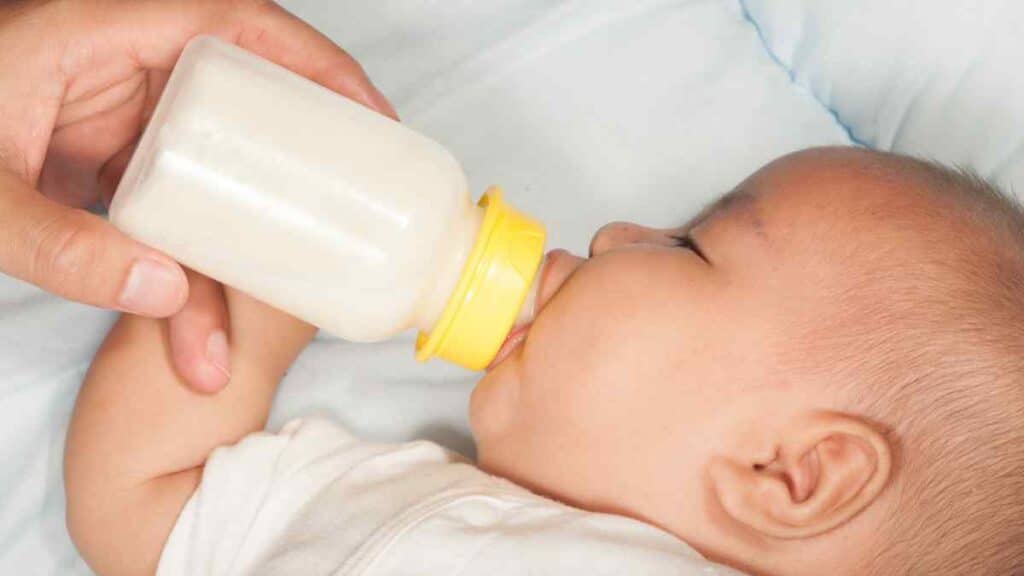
<point>584,111</point>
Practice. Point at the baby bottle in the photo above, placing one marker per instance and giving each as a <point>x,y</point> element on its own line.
<point>274,185</point>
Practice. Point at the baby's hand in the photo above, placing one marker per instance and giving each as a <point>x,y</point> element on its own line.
<point>204,295</point>
<point>204,313</point>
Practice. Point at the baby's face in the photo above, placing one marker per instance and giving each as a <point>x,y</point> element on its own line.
<point>637,356</point>
<point>665,347</point>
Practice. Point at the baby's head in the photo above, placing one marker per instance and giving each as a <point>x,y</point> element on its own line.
<point>822,373</point>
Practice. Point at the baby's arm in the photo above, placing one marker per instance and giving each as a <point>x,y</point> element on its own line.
<point>139,436</point>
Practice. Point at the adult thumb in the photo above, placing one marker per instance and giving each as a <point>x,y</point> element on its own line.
<point>79,256</point>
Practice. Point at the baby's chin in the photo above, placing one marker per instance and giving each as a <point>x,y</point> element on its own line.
<point>494,401</point>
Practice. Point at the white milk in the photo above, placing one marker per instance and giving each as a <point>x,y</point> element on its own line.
<point>304,199</point>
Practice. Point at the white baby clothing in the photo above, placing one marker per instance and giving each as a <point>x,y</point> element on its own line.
<point>313,500</point>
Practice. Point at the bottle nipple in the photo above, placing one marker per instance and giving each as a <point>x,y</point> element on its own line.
<point>529,308</point>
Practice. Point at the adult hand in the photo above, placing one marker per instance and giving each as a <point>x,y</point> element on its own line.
<point>78,81</point>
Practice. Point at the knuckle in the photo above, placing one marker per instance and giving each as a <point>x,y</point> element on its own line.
<point>247,8</point>
<point>258,5</point>
<point>236,20</point>
<point>14,160</point>
<point>67,248</point>
<point>252,15</point>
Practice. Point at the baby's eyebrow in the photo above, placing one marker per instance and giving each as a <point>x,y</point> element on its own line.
<point>735,198</point>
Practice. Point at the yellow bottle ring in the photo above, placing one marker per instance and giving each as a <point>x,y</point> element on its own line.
<point>492,288</point>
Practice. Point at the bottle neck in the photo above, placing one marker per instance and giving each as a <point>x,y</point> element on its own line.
<point>450,264</point>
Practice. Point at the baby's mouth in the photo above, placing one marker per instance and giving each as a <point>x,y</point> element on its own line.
<point>513,341</point>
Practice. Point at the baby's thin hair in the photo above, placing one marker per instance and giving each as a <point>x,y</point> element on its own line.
<point>928,341</point>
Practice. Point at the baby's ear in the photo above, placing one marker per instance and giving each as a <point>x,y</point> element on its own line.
<point>827,468</point>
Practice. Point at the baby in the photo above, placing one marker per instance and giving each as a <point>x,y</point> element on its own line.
<point>823,373</point>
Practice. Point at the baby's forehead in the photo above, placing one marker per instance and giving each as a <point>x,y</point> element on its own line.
<point>842,194</point>
<point>784,191</point>
<point>843,218</point>
<point>844,221</point>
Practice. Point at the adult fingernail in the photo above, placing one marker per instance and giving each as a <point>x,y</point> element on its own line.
<point>217,351</point>
<point>153,288</point>
<point>381,103</point>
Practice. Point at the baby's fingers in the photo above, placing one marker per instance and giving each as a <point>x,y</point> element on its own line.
<point>199,336</point>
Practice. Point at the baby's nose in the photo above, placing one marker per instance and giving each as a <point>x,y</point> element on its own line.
<point>617,234</point>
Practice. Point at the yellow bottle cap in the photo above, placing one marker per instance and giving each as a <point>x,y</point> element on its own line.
<point>491,290</point>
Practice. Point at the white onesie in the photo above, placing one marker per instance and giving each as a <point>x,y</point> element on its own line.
<point>313,500</point>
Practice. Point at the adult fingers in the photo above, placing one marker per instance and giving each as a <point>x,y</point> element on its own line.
<point>155,31</point>
<point>199,336</point>
<point>280,37</point>
<point>77,255</point>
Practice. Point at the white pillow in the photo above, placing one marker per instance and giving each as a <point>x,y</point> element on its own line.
<point>939,79</point>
